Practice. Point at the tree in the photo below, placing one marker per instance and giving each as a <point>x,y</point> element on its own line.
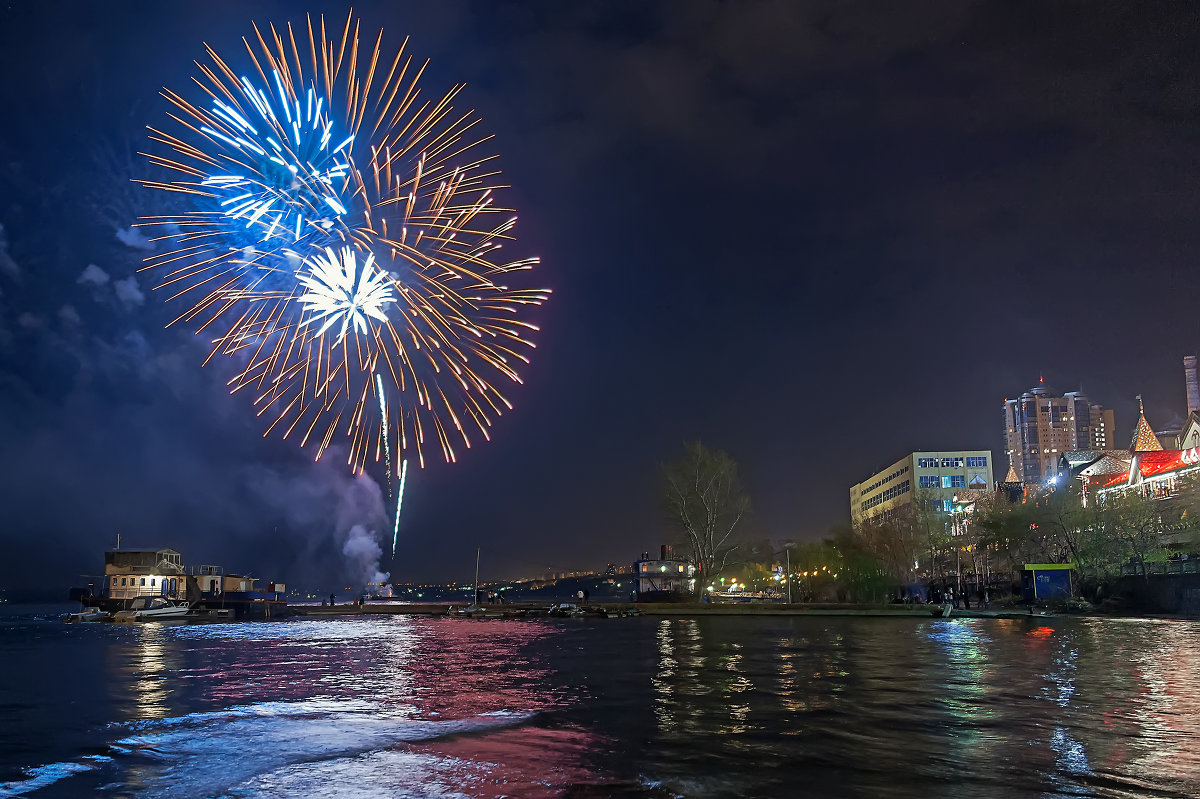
<point>1062,525</point>
<point>862,576</point>
<point>705,501</point>
<point>928,519</point>
<point>1007,530</point>
<point>1135,525</point>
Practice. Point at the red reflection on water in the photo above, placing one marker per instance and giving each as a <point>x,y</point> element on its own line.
<point>449,668</point>
<point>524,761</point>
<point>475,666</point>
<point>1041,632</point>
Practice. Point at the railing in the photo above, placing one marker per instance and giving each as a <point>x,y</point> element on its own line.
<point>1189,566</point>
<point>133,592</point>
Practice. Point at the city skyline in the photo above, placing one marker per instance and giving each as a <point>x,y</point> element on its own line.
<point>739,211</point>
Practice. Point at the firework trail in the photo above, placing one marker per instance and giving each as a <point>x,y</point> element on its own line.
<point>387,447</point>
<point>345,240</point>
<point>399,502</point>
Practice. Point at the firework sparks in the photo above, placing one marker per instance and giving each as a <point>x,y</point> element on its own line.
<point>346,240</point>
<point>338,291</point>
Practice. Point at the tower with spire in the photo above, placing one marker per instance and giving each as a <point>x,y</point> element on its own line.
<point>1144,439</point>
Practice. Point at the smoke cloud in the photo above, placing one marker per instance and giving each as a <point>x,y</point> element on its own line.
<point>362,553</point>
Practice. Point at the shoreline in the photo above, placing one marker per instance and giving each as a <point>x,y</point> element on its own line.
<point>599,609</point>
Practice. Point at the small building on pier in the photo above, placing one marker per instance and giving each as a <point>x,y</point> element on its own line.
<point>667,579</point>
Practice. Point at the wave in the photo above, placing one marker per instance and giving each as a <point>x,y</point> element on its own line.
<point>43,776</point>
<point>228,752</point>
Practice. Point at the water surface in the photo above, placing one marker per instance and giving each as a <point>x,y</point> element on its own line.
<point>652,707</point>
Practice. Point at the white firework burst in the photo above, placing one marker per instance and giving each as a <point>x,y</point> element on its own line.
<point>337,290</point>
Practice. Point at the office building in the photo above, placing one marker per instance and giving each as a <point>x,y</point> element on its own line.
<point>1040,426</point>
<point>936,475</point>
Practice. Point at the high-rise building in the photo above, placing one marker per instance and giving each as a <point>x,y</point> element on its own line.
<point>1191,386</point>
<point>939,475</point>
<point>1039,426</point>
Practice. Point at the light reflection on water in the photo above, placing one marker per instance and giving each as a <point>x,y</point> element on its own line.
<point>701,707</point>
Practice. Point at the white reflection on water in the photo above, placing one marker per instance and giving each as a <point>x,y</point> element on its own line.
<point>150,690</point>
<point>964,689</point>
<point>664,697</point>
<point>738,683</point>
<point>1167,704</point>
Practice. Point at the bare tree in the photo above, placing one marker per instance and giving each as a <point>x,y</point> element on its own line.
<point>1136,524</point>
<point>705,501</point>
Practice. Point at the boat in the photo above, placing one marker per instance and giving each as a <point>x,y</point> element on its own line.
<point>564,610</point>
<point>152,608</point>
<point>133,575</point>
<point>86,614</point>
<point>473,610</point>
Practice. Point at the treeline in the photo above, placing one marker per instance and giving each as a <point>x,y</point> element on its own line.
<point>983,541</point>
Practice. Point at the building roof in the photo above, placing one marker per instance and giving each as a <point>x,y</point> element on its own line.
<point>1150,464</point>
<point>1081,457</point>
<point>1144,439</point>
<point>1108,464</point>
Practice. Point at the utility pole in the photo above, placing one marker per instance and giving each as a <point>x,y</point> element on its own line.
<point>788,553</point>
<point>475,601</point>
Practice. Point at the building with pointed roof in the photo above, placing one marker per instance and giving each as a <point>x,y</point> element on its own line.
<point>1144,439</point>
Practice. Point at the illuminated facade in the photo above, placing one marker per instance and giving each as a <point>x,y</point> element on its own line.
<point>938,475</point>
<point>667,579</point>
<point>1154,474</point>
<point>1039,427</point>
<point>132,573</point>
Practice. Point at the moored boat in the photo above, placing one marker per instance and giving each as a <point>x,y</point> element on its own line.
<point>152,608</point>
<point>132,576</point>
<point>86,614</point>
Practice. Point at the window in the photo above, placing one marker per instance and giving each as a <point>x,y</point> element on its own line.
<point>977,462</point>
<point>143,581</point>
<point>952,463</point>
<point>891,493</point>
<point>114,581</point>
<point>927,463</point>
<point>929,481</point>
<point>123,581</point>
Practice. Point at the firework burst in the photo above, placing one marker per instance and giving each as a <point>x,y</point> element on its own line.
<point>344,246</point>
<point>338,291</point>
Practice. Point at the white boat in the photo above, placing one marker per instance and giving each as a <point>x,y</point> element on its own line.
<point>564,610</point>
<point>152,608</point>
<point>87,614</point>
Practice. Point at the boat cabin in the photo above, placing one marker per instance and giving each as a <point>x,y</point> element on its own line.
<point>132,573</point>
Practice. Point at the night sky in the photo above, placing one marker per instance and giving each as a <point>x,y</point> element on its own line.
<point>816,235</point>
